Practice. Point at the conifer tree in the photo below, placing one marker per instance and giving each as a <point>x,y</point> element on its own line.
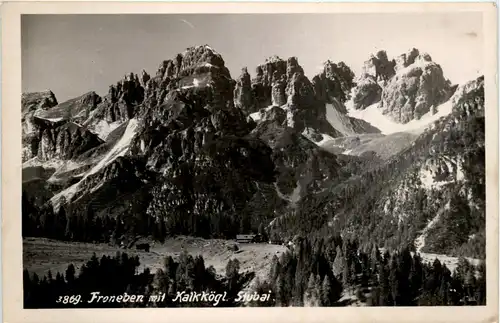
<point>385,287</point>
<point>339,264</point>
<point>481,284</point>
<point>70,274</point>
<point>326,292</point>
<point>311,296</point>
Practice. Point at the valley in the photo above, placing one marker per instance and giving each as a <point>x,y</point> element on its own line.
<point>41,255</point>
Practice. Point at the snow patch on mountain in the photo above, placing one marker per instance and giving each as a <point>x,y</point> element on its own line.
<point>374,115</point>
<point>104,128</point>
<point>51,119</point>
<point>119,149</point>
<point>312,135</point>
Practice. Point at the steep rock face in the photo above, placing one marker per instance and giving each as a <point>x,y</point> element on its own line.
<point>367,92</point>
<point>304,111</point>
<point>268,80</point>
<point>301,166</point>
<point>414,90</point>
<point>65,142</point>
<point>380,67</point>
<point>39,125</point>
<point>334,83</point>
<point>406,87</point>
<point>377,71</point>
<point>30,103</point>
<point>278,89</point>
<point>208,167</point>
<point>118,106</point>
<point>76,110</point>
<point>305,102</point>
<point>37,100</point>
<point>406,59</point>
<point>243,97</point>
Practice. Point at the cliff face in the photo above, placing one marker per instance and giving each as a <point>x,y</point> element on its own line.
<point>305,103</point>
<point>406,87</point>
<point>30,103</point>
<point>414,90</point>
<point>65,142</point>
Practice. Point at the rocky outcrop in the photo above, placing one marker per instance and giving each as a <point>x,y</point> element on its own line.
<point>45,128</point>
<point>37,100</point>
<point>470,91</point>
<point>243,96</point>
<point>405,60</point>
<point>303,101</point>
<point>407,87</point>
<point>30,103</point>
<point>414,90</point>
<point>278,89</point>
<point>301,165</point>
<point>377,71</point>
<point>75,110</point>
<point>366,93</point>
<point>270,82</point>
<point>65,142</point>
<point>334,83</point>
<point>380,67</point>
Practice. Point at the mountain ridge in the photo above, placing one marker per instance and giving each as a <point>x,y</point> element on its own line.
<point>196,152</point>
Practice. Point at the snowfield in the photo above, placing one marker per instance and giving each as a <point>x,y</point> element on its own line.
<point>104,128</point>
<point>373,115</point>
<point>119,149</point>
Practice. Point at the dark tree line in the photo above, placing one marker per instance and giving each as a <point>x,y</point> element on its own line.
<point>119,274</point>
<point>83,224</point>
<point>109,275</point>
<point>330,272</point>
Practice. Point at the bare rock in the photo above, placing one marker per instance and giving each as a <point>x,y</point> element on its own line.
<point>414,90</point>
<point>243,97</point>
<point>366,93</point>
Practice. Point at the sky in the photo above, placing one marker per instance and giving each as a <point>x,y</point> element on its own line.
<point>74,54</point>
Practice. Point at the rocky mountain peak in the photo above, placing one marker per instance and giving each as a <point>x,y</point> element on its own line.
<point>243,97</point>
<point>407,87</point>
<point>201,56</point>
<point>292,67</point>
<point>37,100</point>
<point>145,77</point>
<point>414,90</point>
<point>379,66</point>
<point>265,72</point>
<point>406,59</point>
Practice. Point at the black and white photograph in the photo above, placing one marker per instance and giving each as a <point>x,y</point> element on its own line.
<point>254,160</point>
